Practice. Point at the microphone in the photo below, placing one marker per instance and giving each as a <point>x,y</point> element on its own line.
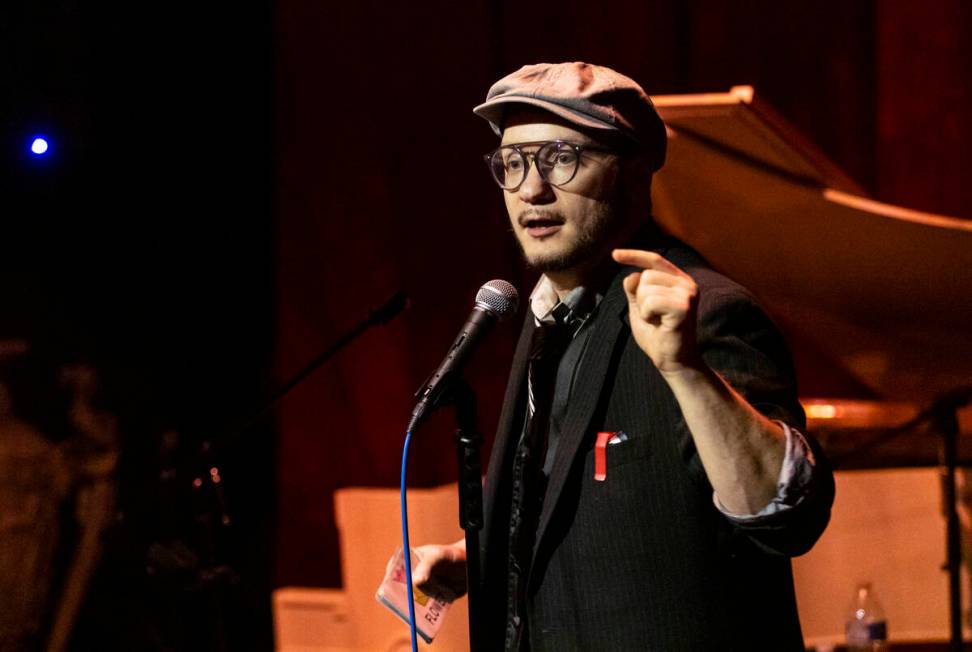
<point>496,300</point>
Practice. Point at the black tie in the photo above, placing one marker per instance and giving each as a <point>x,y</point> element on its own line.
<point>529,483</point>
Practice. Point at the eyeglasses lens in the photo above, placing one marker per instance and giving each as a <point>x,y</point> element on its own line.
<point>556,161</point>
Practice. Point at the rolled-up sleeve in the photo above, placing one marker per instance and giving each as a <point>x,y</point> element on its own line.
<point>795,482</point>
<point>741,343</point>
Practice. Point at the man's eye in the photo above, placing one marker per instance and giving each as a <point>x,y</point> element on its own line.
<point>514,164</point>
<point>559,157</point>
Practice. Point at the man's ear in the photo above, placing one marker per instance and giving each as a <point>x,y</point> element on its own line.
<point>636,172</point>
<point>635,183</point>
<point>639,163</point>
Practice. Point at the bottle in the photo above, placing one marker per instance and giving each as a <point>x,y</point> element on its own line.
<point>867,627</point>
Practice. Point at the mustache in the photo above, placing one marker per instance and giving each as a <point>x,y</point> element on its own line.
<point>539,215</point>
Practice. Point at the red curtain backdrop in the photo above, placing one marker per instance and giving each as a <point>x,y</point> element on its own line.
<point>380,184</point>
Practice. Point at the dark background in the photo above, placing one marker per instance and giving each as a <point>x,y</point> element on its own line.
<point>231,186</point>
<point>144,244</point>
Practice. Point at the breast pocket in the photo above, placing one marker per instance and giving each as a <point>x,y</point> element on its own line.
<point>616,495</point>
<point>624,452</point>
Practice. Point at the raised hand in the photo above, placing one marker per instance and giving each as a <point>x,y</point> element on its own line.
<point>662,305</point>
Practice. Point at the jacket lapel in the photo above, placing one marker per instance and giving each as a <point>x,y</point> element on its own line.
<point>514,391</point>
<point>585,395</point>
<point>507,432</point>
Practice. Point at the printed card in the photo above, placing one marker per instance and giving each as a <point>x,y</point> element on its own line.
<point>429,611</point>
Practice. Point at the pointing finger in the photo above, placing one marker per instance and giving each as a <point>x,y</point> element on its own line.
<point>663,278</point>
<point>646,260</point>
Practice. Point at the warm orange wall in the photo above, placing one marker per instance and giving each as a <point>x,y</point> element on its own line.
<point>887,528</point>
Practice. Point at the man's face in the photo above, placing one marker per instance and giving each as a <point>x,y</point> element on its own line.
<point>567,227</point>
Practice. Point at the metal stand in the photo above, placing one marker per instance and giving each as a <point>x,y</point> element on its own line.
<point>945,421</point>
<point>454,390</point>
<point>468,443</point>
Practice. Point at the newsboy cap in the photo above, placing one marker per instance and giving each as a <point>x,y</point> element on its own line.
<point>583,94</point>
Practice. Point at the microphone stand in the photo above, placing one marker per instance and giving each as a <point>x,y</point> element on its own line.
<point>454,390</point>
<point>209,450</point>
<point>944,419</point>
<point>468,443</point>
<point>379,316</point>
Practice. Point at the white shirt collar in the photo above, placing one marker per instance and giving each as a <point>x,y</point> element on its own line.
<point>544,298</point>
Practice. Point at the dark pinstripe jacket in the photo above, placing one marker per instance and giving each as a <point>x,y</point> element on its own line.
<point>644,560</point>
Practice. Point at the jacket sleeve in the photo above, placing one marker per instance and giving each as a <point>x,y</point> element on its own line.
<point>741,343</point>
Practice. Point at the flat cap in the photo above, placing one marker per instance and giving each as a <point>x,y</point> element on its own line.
<point>583,94</point>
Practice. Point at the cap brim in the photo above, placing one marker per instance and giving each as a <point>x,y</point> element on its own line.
<point>492,111</point>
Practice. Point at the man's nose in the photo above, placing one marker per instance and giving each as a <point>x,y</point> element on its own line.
<point>534,189</point>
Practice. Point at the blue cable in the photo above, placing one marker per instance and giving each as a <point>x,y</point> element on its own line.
<point>407,550</point>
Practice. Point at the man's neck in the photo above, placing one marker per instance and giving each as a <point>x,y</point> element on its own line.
<point>563,282</point>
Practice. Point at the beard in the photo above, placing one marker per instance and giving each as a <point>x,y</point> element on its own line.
<point>592,236</point>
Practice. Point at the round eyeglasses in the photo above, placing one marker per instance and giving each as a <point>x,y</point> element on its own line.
<point>557,162</point>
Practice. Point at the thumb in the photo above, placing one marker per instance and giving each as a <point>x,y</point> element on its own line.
<point>631,286</point>
<point>421,572</point>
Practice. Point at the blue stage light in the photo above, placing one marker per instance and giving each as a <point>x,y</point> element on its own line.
<point>39,146</point>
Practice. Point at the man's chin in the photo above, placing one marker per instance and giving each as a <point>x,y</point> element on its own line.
<point>552,258</point>
<point>553,261</point>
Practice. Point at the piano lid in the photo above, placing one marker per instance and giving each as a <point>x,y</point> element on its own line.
<point>871,291</point>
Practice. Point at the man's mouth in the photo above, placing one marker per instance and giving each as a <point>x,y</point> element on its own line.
<point>539,226</point>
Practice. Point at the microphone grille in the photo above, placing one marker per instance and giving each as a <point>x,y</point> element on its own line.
<point>498,297</point>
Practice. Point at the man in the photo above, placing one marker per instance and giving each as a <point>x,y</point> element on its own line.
<point>649,480</point>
